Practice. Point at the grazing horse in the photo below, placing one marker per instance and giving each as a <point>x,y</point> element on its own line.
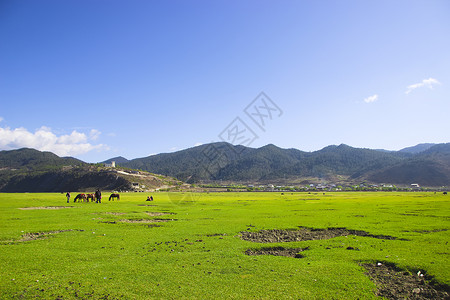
<point>90,196</point>
<point>80,197</point>
<point>114,196</point>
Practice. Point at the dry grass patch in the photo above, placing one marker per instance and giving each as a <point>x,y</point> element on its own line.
<point>45,207</point>
<point>144,220</point>
<point>157,214</point>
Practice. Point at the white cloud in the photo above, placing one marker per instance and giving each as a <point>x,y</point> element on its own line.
<point>94,134</point>
<point>425,83</point>
<point>44,139</point>
<point>1,119</point>
<point>371,99</point>
<point>198,144</point>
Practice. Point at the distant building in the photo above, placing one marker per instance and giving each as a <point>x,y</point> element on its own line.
<point>415,186</point>
<point>111,165</point>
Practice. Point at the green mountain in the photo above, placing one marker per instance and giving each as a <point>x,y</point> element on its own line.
<point>193,164</point>
<point>31,159</point>
<point>78,179</point>
<point>222,161</point>
<point>118,160</point>
<point>417,148</point>
<point>29,170</point>
<point>430,167</point>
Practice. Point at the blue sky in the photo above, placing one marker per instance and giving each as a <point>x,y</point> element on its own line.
<point>99,79</point>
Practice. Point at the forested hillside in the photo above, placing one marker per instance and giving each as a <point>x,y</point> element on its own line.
<point>222,161</point>
<point>29,170</point>
<point>32,170</point>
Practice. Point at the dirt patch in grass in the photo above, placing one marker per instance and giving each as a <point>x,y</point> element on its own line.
<point>32,236</point>
<point>394,283</point>
<point>430,231</point>
<point>115,213</point>
<point>108,222</point>
<point>304,234</point>
<point>277,251</point>
<point>145,220</point>
<point>156,214</point>
<point>45,207</point>
<point>216,234</point>
<point>152,225</point>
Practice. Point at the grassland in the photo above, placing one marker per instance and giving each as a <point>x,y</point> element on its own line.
<point>189,246</point>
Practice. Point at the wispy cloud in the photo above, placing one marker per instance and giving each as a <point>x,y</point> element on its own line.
<point>371,99</point>
<point>44,139</point>
<point>94,134</point>
<point>1,119</point>
<point>425,83</point>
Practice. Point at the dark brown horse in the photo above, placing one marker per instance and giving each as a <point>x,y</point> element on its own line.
<point>114,196</point>
<point>80,197</point>
<point>90,196</point>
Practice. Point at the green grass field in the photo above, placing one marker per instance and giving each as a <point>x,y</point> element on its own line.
<point>189,245</point>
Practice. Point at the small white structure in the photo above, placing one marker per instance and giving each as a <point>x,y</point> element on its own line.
<point>111,165</point>
<point>415,186</point>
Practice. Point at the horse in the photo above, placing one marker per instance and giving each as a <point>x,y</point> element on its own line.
<point>90,196</point>
<point>80,197</point>
<point>114,196</point>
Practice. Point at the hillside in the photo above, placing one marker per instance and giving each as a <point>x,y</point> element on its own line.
<point>29,170</point>
<point>31,159</point>
<point>417,148</point>
<point>118,160</point>
<point>193,164</point>
<point>430,167</point>
<point>222,161</point>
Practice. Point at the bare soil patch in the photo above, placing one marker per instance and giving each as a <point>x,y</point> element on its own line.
<point>145,220</point>
<point>304,234</point>
<point>31,236</point>
<point>430,231</point>
<point>115,213</point>
<point>216,234</point>
<point>156,214</point>
<point>394,283</point>
<point>277,251</point>
<point>45,207</point>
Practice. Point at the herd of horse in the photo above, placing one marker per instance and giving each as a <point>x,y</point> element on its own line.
<point>87,197</point>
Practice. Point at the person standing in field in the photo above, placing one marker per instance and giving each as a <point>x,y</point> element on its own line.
<point>98,196</point>
<point>68,196</point>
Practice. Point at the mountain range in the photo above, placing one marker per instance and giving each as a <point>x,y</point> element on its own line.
<point>424,164</point>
